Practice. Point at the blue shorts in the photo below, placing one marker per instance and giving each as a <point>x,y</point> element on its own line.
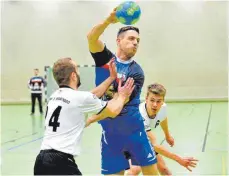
<point>113,147</point>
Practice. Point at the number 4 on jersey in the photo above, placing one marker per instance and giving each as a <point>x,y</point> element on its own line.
<point>54,118</point>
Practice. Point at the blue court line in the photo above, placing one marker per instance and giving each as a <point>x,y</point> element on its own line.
<point>17,146</point>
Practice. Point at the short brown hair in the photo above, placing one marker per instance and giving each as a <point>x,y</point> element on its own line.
<point>62,70</point>
<point>127,28</point>
<point>157,89</point>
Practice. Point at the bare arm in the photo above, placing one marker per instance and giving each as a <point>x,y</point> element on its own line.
<point>96,45</point>
<point>168,136</point>
<point>115,96</point>
<point>161,149</point>
<point>164,126</point>
<point>113,108</point>
<point>187,162</point>
<point>101,89</point>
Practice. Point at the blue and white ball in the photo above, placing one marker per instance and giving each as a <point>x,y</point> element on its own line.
<point>128,13</point>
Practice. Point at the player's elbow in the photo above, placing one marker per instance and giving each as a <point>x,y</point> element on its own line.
<point>90,37</point>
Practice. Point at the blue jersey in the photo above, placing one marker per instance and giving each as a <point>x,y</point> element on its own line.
<point>130,119</point>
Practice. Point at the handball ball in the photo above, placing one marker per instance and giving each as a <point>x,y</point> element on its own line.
<point>128,12</point>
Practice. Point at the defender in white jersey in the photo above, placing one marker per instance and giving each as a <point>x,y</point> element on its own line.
<point>65,117</point>
<point>154,113</point>
<point>154,121</point>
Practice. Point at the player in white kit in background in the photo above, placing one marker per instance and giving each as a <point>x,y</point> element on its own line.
<point>154,113</point>
<point>65,117</point>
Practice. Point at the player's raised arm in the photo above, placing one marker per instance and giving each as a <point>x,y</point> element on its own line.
<point>96,45</point>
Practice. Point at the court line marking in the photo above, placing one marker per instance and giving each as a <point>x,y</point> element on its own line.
<point>218,149</point>
<point>34,140</point>
<point>162,141</point>
<point>20,145</point>
<point>206,132</point>
<point>13,140</point>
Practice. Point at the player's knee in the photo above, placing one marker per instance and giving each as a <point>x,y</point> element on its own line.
<point>164,170</point>
<point>134,170</point>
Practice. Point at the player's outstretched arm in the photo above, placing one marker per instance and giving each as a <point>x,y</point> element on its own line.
<point>102,88</point>
<point>165,128</point>
<point>115,105</point>
<point>187,162</point>
<point>96,45</point>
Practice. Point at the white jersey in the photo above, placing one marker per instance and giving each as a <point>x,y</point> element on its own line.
<point>154,122</point>
<point>65,119</point>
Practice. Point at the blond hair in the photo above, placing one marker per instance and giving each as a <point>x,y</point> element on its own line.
<point>157,89</point>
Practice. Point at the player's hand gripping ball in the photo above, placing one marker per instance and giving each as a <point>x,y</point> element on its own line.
<point>128,12</point>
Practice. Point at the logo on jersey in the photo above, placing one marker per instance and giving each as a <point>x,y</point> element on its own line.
<point>157,123</point>
<point>121,76</point>
<point>149,155</point>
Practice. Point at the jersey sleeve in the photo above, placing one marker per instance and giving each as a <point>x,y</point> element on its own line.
<point>92,104</point>
<point>103,57</point>
<point>147,125</point>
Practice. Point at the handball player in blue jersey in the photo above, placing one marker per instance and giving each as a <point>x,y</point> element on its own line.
<point>126,132</point>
